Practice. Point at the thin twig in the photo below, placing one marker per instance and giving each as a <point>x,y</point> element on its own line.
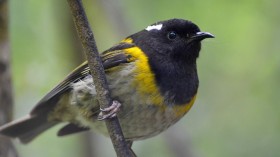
<point>98,75</point>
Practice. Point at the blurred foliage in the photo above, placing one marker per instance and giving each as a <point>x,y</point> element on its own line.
<point>236,113</point>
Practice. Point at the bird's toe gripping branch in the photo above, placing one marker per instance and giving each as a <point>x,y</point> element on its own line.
<point>109,112</point>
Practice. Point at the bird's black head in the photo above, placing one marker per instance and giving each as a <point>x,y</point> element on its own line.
<point>176,39</point>
<point>172,48</point>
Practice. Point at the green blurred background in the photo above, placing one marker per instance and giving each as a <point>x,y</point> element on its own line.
<point>237,112</point>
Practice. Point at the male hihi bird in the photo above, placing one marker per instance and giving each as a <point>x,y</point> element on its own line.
<point>152,74</point>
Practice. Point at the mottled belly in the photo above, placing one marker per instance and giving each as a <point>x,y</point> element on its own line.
<point>143,112</point>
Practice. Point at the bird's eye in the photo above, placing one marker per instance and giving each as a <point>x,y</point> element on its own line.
<point>172,35</point>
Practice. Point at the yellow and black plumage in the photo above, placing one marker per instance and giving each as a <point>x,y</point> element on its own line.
<point>151,73</point>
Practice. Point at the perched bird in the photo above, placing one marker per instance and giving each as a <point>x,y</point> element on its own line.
<point>152,76</point>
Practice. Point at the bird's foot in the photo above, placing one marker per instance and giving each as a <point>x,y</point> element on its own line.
<point>109,112</point>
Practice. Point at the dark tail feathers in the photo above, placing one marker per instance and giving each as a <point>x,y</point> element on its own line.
<point>27,128</point>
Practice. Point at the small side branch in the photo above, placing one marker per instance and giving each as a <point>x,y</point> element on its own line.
<point>95,64</point>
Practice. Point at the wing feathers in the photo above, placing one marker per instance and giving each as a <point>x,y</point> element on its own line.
<point>111,58</point>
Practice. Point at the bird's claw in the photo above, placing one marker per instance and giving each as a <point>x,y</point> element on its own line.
<point>109,112</point>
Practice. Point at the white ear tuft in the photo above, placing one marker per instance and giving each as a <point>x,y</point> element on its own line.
<point>154,27</point>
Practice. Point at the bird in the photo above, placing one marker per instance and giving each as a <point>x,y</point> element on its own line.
<point>152,77</point>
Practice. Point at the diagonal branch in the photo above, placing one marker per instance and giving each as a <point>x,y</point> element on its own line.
<point>98,75</point>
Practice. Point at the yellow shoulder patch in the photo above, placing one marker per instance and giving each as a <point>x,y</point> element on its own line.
<point>127,40</point>
<point>144,79</point>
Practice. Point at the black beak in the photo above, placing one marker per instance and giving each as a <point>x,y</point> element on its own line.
<point>200,36</point>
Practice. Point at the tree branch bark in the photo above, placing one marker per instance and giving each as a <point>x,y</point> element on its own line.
<point>98,74</point>
<point>6,93</point>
